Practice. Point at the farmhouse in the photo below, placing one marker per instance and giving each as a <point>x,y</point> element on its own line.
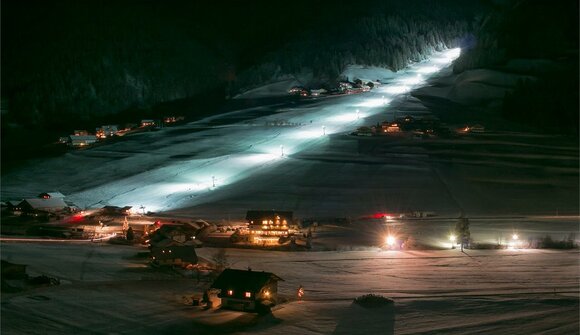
<point>266,227</point>
<point>247,290</point>
<point>174,254</point>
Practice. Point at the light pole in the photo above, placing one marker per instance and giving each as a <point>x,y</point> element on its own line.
<point>323,130</point>
<point>452,238</point>
<point>515,239</point>
<point>281,150</point>
<point>212,181</point>
<point>357,114</point>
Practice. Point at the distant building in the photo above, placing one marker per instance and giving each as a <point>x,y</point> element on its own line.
<point>173,119</point>
<point>174,255</point>
<point>180,233</point>
<point>318,92</point>
<point>147,123</point>
<point>247,290</point>
<point>41,205</point>
<point>78,141</point>
<point>266,227</point>
<point>80,133</point>
<point>390,127</point>
<point>14,206</point>
<point>107,131</point>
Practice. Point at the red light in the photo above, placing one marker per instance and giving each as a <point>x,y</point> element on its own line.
<point>379,215</point>
<point>76,218</point>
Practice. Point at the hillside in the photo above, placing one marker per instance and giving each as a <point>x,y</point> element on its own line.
<point>532,47</point>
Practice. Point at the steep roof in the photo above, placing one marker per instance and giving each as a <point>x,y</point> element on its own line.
<point>243,280</point>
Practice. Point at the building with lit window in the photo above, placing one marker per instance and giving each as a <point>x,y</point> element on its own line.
<point>246,290</point>
<point>107,131</point>
<point>267,227</point>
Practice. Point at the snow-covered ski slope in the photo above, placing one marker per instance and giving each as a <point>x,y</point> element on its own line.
<point>299,157</point>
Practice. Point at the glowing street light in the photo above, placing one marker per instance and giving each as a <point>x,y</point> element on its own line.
<point>212,181</point>
<point>281,150</point>
<point>514,242</point>
<point>453,239</point>
<point>390,240</point>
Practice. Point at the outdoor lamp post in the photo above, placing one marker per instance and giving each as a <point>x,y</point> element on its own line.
<point>452,238</point>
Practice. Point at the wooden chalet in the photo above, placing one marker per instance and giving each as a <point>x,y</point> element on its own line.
<point>247,290</point>
<point>266,227</point>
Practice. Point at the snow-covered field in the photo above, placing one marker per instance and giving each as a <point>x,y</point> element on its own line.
<point>107,290</point>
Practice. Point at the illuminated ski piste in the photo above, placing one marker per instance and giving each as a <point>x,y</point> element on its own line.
<point>240,150</point>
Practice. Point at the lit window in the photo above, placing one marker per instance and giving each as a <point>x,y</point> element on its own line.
<point>230,292</point>
<point>248,295</point>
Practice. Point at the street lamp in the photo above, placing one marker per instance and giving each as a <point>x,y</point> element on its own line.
<point>390,240</point>
<point>357,114</point>
<point>212,181</point>
<point>452,238</point>
<point>515,239</point>
<point>281,150</point>
<point>323,130</point>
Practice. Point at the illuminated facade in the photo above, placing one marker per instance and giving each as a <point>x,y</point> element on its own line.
<point>266,227</point>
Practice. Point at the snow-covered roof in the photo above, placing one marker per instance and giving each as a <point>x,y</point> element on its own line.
<point>44,204</point>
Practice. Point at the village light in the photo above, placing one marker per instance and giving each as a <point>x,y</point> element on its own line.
<point>514,242</point>
<point>452,238</point>
<point>390,240</point>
